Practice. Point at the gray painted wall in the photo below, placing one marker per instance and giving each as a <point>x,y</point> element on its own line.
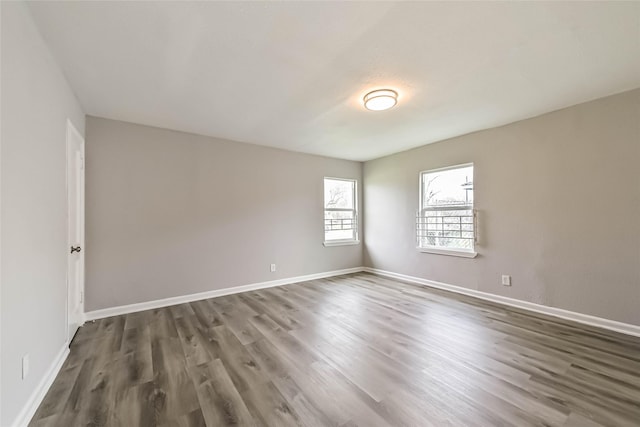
<point>36,102</point>
<point>171,213</point>
<point>558,199</point>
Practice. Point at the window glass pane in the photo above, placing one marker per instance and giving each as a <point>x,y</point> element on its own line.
<point>339,225</point>
<point>338,194</point>
<point>446,218</point>
<point>453,187</point>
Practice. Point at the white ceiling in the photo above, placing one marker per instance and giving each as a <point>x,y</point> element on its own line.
<point>292,74</point>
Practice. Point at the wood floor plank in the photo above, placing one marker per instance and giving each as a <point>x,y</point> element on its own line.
<point>195,350</point>
<point>243,370</point>
<point>172,379</point>
<point>219,399</point>
<point>280,371</point>
<point>262,304</point>
<point>140,405</point>
<point>353,350</point>
<point>136,339</point>
<point>192,419</point>
<point>80,388</point>
<point>134,368</point>
<point>206,314</point>
<point>269,407</point>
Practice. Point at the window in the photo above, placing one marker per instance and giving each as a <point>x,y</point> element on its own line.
<point>340,214</point>
<point>445,223</point>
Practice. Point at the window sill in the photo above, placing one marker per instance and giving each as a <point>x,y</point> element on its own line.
<point>342,243</point>
<point>451,252</point>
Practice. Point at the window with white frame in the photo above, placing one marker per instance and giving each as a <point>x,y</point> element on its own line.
<point>340,211</point>
<point>445,222</point>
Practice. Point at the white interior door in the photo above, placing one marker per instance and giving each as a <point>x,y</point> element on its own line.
<point>75,197</point>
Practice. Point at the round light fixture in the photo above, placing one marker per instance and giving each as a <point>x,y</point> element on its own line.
<point>381,99</point>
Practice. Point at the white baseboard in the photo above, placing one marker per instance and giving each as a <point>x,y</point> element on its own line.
<point>149,305</point>
<point>586,319</point>
<point>29,409</point>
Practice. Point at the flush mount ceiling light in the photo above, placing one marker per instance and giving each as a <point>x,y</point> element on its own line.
<point>381,99</point>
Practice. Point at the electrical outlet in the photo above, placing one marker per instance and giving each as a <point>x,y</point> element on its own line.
<point>273,268</point>
<point>25,366</point>
<point>506,280</point>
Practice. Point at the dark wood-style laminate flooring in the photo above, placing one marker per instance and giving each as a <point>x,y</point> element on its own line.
<point>355,350</point>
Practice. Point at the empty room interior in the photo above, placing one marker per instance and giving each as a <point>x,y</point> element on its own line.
<point>320,214</point>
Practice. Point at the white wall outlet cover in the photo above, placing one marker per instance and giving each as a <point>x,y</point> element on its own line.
<point>273,268</point>
<point>506,280</point>
<point>25,366</point>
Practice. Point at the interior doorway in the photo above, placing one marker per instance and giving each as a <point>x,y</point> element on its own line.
<point>75,230</point>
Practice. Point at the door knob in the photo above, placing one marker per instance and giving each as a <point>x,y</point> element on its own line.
<point>76,249</point>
